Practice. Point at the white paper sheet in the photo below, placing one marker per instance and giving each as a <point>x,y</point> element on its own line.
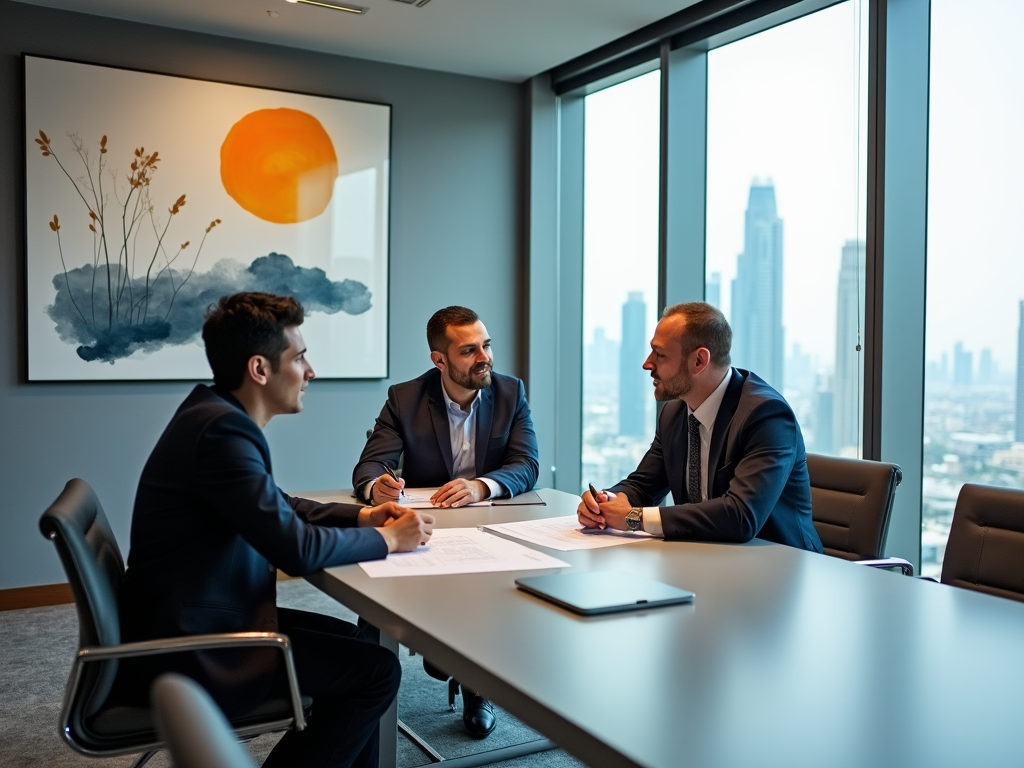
<point>419,498</point>
<point>462,550</point>
<point>564,533</point>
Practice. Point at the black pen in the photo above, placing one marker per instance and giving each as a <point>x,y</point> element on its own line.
<point>593,492</point>
<point>394,477</point>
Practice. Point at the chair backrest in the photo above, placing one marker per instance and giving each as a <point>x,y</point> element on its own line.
<point>76,523</point>
<point>194,730</point>
<point>986,542</point>
<point>851,501</point>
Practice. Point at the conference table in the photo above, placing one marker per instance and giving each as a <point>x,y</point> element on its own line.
<point>785,657</point>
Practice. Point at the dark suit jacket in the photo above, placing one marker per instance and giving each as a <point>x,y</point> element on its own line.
<point>209,530</point>
<point>758,483</point>
<point>414,421</point>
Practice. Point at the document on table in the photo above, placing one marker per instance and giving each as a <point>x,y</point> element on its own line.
<point>564,533</point>
<point>462,550</point>
<point>419,498</point>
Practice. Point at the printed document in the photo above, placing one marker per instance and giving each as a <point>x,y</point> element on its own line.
<point>564,533</point>
<point>419,498</point>
<point>462,550</point>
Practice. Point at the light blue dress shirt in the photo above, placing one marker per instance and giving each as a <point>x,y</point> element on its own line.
<point>462,431</point>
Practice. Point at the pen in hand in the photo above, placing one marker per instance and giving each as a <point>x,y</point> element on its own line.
<point>394,477</point>
<point>593,493</point>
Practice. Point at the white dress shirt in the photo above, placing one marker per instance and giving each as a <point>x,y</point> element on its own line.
<point>706,414</point>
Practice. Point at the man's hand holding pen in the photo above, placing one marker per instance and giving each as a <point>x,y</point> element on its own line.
<point>388,487</point>
<point>603,509</point>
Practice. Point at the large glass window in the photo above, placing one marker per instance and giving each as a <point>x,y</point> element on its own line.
<point>620,275</point>
<point>785,213</point>
<point>974,383</point>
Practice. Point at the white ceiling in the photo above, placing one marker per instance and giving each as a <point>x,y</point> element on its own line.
<point>500,39</point>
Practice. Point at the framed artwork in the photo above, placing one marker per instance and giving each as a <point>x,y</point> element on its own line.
<point>150,196</point>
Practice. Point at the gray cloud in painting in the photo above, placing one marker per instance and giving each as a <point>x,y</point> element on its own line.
<point>171,311</point>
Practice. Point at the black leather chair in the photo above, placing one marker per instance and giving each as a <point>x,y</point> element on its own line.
<point>851,502</point>
<point>985,550</point>
<point>194,729</point>
<point>92,722</point>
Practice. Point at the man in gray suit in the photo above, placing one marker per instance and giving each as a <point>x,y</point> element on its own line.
<point>462,429</point>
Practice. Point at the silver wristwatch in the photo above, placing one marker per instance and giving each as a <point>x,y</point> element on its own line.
<point>635,519</point>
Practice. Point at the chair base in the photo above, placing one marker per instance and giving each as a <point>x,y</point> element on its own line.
<point>479,758</point>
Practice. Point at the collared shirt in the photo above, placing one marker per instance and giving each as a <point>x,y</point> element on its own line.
<point>462,430</point>
<point>706,414</point>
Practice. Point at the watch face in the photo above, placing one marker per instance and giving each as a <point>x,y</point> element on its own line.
<point>634,520</point>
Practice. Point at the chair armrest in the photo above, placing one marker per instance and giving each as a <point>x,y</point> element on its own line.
<point>196,643</point>
<point>890,562</point>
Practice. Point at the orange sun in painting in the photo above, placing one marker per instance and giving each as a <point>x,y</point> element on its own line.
<point>279,164</point>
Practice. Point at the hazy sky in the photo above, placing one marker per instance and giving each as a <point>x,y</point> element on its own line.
<point>789,105</point>
<point>976,178</point>
<point>621,202</point>
<point>783,105</point>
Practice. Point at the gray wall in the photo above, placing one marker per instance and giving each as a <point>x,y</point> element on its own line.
<point>456,202</point>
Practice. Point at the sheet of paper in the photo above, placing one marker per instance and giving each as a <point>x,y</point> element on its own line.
<point>462,550</point>
<point>419,498</point>
<point>564,533</point>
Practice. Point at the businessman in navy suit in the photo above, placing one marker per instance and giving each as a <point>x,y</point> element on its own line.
<point>727,445</point>
<point>462,429</point>
<point>210,529</point>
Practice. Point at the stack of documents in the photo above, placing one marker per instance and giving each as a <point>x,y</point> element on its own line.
<point>462,550</point>
<point>486,550</point>
<point>565,533</point>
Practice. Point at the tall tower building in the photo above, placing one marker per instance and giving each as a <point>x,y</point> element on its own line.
<point>986,367</point>
<point>963,364</point>
<point>848,400</point>
<point>757,290</point>
<point>634,381</point>
<point>1019,431</point>
<point>713,289</point>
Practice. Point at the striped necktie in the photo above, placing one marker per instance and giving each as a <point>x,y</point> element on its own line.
<point>693,460</point>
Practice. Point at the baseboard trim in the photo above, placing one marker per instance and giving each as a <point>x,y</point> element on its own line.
<point>34,597</point>
<point>55,594</point>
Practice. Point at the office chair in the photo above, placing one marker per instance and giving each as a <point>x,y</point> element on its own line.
<point>92,721</point>
<point>194,729</point>
<point>986,542</point>
<point>851,501</point>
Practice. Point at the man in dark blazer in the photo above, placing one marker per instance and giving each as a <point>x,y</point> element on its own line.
<point>210,529</point>
<point>462,429</point>
<point>727,445</point>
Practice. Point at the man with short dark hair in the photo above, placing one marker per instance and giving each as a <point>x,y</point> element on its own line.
<point>462,427</point>
<point>464,430</point>
<point>210,529</point>
<point>727,446</point>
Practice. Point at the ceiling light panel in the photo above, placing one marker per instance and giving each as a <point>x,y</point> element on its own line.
<point>347,7</point>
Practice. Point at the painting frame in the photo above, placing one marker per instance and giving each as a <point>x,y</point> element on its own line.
<point>319,229</point>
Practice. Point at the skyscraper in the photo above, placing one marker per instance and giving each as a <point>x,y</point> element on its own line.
<point>633,379</point>
<point>847,401</point>
<point>963,363</point>
<point>757,290</point>
<point>1019,431</point>
<point>713,289</point>
<point>986,367</point>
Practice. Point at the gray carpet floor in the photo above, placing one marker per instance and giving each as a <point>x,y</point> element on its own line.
<point>38,644</point>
